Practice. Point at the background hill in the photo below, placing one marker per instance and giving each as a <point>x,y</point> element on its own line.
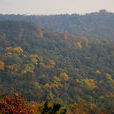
<point>50,65</point>
<point>98,25</point>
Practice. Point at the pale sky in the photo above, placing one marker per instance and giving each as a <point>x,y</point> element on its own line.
<point>45,7</point>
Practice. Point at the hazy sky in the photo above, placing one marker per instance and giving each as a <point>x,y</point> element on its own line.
<point>54,6</point>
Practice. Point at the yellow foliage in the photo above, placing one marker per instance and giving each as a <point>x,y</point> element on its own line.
<point>34,60</point>
<point>84,39</point>
<point>50,85</point>
<point>45,66</point>
<point>12,67</point>
<point>52,62</point>
<point>91,80</point>
<point>18,49</point>
<point>36,84</point>
<point>109,77</point>
<point>98,72</point>
<point>77,109</point>
<point>50,104</point>
<point>92,106</point>
<point>2,65</point>
<point>90,83</point>
<point>24,55</point>
<point>101,82</point>
<point>78,44</point>
<point>57,78</point>
<point>64,75</point>
<point>46,85</point>
<point>9,53</point>
<point>28,68</point>
<point>23,72</point>
<point>101,97</point>
<point>50,97</point>
<point>77,80</point>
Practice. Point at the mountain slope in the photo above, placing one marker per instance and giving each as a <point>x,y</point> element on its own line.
<point>45,64</point>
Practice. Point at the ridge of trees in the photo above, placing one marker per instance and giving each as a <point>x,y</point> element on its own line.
<point>45,65</point>
<point>94,25</point>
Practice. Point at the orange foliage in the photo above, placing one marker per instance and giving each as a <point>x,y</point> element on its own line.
<point>12,67</point>
<point>98,72</point>
<point>14,105</point>
<point>57,78</point>
<point>51,85</point>
<point>90,83</point>
<point>109,94</point>
<point>92,106</point>
<point>84,39</point>
<point>41,34</point>
<point>40,31</point>
<point>23,72</point>
<point>65,36</point>
<point>34,60</point>
<point>78,44</point>
<point>45,66</point>
<point>2,65</point>
<point>16,49</point>
<point>34,56</point>
<point>52,62</point>
<point>77,80</point>
<point>9,53</point>
<point>64,75</point>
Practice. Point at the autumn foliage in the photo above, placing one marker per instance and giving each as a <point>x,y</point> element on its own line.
<point>17,105</point>
<point>1,65</point>
<point>37,62</point>
<point>64,75</point>
<point>13,105</point>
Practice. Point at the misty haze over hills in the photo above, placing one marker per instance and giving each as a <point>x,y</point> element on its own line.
<point>98,25</point>
<point>61,64</point>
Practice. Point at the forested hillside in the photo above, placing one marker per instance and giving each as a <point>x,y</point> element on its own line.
<point>98,25</point>
<point>51,65</point>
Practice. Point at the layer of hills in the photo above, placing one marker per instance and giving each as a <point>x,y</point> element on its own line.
<point>98,25</point>
<point>55,66</point>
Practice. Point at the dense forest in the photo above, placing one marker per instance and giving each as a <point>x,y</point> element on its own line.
<point>53,66</point>
<point>97,25</point>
